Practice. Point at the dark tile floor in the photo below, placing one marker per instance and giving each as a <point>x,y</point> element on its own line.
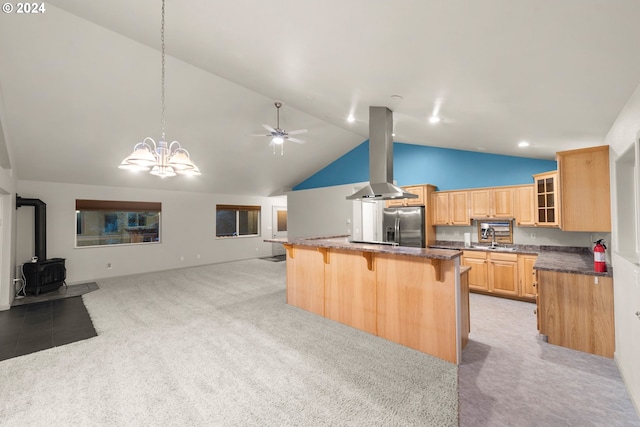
<point>33,327</point>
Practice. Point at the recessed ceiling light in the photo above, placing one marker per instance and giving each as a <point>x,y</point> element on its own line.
<point>523,144</point>
<point>351,119</point>
<point>481,149</point>
<point>434,119</point>
<point>396,97</point>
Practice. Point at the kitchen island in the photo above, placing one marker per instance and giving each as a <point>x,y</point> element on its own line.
<point>411,296</point>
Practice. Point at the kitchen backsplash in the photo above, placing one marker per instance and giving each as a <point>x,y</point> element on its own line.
<point>538,236</point>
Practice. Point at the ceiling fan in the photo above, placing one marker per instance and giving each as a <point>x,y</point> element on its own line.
<point>279,136</point>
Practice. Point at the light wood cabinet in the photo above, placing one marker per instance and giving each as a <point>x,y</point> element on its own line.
<point>547,206</point>
<point>353,305</point>
<point>451,208</point>
<point>492,202</point>
<point>410,300</point>
<point>527,276</point>
<point>419,190</point>
<point>503,273</point>
<point>576,311</point>
<point>584,184</point>
<point>305,280</point>
<point>524,205</point>
<point>479,273</point>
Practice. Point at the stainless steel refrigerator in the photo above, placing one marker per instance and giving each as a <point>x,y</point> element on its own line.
<point>404,226</point>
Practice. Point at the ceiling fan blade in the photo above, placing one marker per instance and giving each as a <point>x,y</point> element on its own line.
<point>261,134</point>
<point>296,140</point>
<point>297,132</point>
<point>269,128</point>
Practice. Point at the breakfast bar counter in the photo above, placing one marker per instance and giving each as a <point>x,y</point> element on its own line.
<point>411,296</point>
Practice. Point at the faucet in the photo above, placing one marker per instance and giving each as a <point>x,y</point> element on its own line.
<point>485,233</point>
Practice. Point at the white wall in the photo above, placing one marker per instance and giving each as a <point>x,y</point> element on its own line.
<point>622,135</point>
<point>188,230</point>
<point>321,211</point>
<point>7,238</point>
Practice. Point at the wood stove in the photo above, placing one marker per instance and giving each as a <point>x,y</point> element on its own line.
<point>41,275</point>
<point>44,276</point>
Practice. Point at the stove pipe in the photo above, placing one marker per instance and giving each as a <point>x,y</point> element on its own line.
<point>40,220</point>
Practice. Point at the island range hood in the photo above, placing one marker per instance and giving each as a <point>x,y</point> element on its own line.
<point>381,185</point>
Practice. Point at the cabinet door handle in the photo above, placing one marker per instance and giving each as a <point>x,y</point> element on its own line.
<point>638,314</point>
<point>535,311</point>
<point>534,284</point>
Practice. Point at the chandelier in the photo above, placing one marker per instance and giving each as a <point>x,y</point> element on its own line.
<point>161,159</point>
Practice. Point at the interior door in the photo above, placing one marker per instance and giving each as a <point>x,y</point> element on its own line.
<point>279,228</point>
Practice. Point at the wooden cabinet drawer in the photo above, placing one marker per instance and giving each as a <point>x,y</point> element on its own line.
<point>498,256</point>
<point>475,254</point>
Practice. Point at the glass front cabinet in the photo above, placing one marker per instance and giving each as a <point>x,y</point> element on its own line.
<point>547,206</point>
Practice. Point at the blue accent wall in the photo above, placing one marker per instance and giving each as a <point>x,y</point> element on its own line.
<point>443,167</point>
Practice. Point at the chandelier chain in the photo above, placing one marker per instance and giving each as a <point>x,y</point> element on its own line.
<point>163,63</point>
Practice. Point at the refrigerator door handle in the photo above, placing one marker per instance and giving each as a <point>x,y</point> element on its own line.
<point>397,231</point>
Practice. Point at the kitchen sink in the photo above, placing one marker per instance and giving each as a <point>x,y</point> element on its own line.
<point>494,249</point>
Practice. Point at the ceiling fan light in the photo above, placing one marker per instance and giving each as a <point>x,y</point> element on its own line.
<point>277,140</point>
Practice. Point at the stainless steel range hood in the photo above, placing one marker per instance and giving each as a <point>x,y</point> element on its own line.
<point>380,185</point>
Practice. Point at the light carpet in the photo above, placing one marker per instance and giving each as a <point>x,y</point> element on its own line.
<point>217,345</point>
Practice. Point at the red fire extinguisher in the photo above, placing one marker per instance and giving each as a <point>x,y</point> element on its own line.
<point>599,260</point>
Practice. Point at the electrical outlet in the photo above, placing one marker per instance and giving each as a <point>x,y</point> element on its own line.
<point>198,256</point>
<point>108,266</point>
<point>533,236</point>
<point>181,258</point>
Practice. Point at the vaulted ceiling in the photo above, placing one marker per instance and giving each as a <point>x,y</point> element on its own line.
<point>80,83</point>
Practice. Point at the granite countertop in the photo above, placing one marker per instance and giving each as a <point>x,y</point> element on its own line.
<point>343,242</point>
<point>563,259</point>
<point>569,262</point>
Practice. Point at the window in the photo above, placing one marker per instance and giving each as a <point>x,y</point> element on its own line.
<point>106,222</point>
<point>236,221</point>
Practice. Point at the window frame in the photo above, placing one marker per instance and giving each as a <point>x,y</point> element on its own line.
<point>109,208</point>
<point>238,209</point>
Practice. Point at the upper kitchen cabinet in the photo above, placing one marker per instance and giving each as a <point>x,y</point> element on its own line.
<point>492,202</point>
<point>524,205</point>
<point>419,190</point>
<point>546,204</point>
<point>450,208</point>
<point>584,182</point>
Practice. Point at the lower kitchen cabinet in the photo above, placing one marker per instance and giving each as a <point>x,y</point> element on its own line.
<point>576,311</point>
<point>478,275</point>
<point>501,274</point>
<point>527,276</point>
